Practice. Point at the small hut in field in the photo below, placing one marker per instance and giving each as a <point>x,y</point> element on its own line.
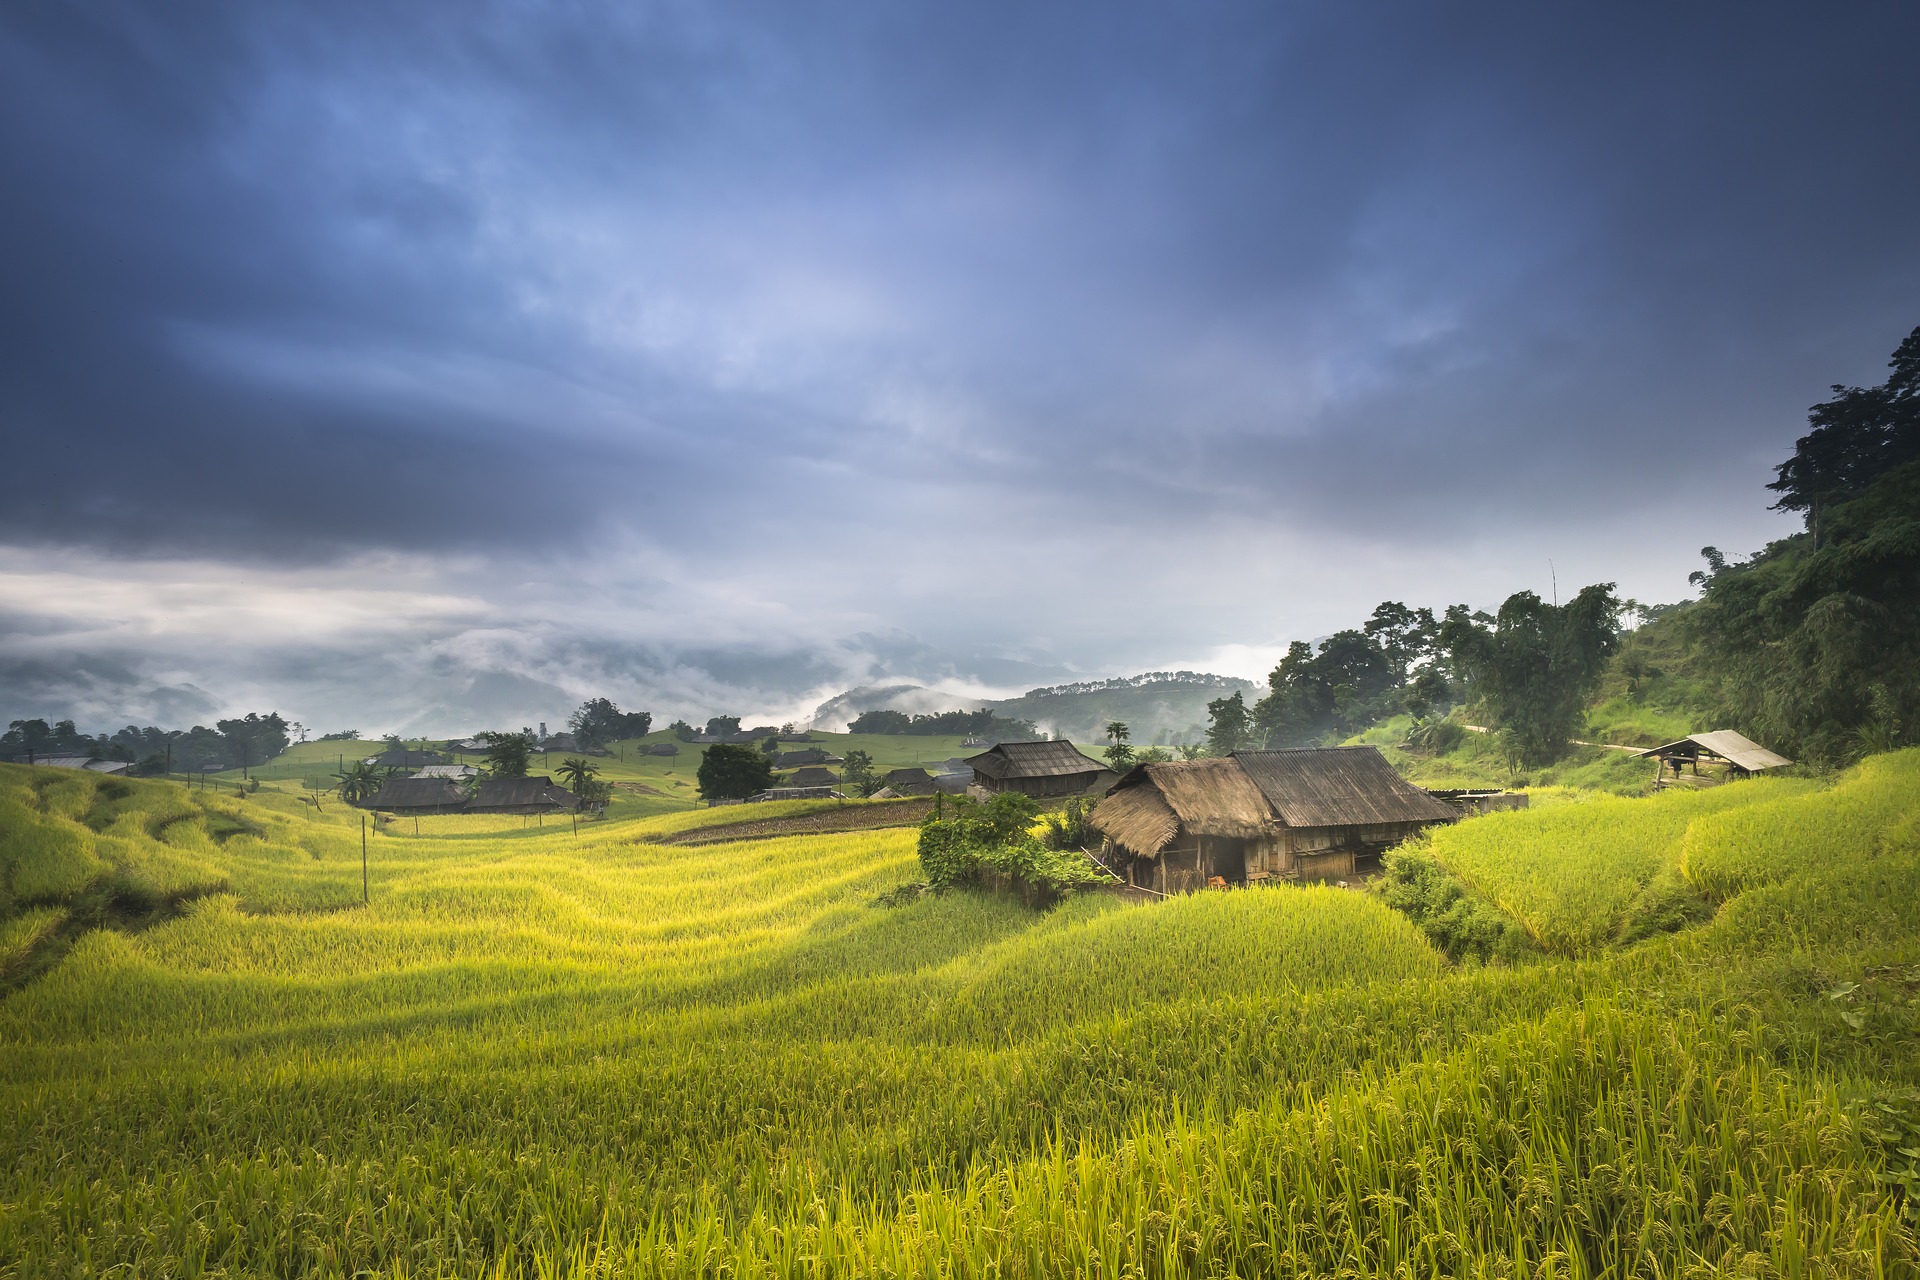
<point>1039,769</point>
<point>1723,751</point>
<point>909,781</point>
<point>534,794</point>
<point>1178,824</point>
<point>416,796</point>
<point>1310,814</point>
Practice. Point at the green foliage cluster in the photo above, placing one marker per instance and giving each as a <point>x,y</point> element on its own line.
<point>964,839</point>
<point>599,721</point>
<point>733,772</point>
<point>1535,665</point>
<point>1461,924</point>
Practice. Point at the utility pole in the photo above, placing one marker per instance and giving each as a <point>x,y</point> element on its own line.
<point>364,898</point>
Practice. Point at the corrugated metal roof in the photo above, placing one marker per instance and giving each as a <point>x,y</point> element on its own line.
<point>1033,760</point>
<point>1338,787</point>
<point>1735,748</point>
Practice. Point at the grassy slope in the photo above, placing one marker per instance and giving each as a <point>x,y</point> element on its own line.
<point>677,1061</point>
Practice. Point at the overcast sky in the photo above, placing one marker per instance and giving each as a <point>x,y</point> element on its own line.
<point>429,366</point>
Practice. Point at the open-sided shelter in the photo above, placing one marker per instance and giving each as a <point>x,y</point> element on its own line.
<point>1735,754</point>
<point>1039,769</point>
<point>1310,814</point>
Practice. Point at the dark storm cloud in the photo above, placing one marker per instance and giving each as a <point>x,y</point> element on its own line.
<point>893,318</point>
<point>355,276</point>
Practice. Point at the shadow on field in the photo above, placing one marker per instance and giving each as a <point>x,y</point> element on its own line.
<point>111,902</point>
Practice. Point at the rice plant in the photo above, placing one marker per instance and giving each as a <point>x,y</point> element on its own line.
<point>531,1053</point>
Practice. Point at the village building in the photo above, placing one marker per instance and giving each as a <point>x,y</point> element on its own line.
<point>793,793</point>
<point>1729,754</point>
<point>910,781</point>
<point>533,794</point>
<point>456,772</point>
<point>811,777</point>
<point>1039,769</point>
<point>663,749</point>
<point>416,796</point>
<point>92,764</point>
<point>403,759</point>
<point>1310,814</point>
<point>811,755</point>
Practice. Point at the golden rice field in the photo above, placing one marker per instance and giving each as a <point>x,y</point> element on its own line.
<point>531,1053</point>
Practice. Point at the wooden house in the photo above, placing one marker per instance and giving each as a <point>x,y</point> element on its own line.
<point>813,776</point>
<point>910,781</point>
<point>1312,814</point>
<point>1039,769</point>
<point>416,796</point>
<point>534,794</point>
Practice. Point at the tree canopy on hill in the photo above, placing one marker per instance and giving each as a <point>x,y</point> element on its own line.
<point>1815,640</point>
<point>982,723</point>
<point>733,772</point>
<point>250,739</point>
<point>1536,665</point>
<point>598,721</point>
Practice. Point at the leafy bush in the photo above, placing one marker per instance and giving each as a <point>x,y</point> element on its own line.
<point>1412,882</point>
<point>1072,828</point>
<point>962,838</point>
<point>959,833</point>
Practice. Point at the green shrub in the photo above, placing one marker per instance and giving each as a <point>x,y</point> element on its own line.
<point>1412,882</point>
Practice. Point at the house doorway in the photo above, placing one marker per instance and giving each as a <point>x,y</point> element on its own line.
<point>1227,859</point>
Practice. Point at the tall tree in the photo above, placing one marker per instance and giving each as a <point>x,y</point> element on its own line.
<point>1536,664</point>
<point>1227,725</point>
<point>1119,751</point>
<point>578,774</point>
<point>1858,436</point>
<point>733,772</point>
<point>508,753</point>
<point>599,721</point>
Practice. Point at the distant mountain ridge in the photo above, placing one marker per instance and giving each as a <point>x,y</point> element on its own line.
<point>1158,706</point>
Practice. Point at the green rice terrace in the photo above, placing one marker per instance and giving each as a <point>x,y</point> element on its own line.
<point>532,1051</point>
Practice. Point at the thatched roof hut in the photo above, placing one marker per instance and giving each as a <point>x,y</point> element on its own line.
<point>1310,814</point>
<point>1038,769</point>
<point>1149,807</point>
<point>811,777</point>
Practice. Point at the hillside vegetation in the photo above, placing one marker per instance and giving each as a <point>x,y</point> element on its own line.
<point>539,1054</point>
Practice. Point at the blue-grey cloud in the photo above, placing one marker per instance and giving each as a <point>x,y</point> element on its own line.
<point>918,317</point>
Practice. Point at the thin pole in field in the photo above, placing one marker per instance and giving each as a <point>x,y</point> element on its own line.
<point>364,898</point>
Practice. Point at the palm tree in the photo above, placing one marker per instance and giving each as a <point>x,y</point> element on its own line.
<point>359,781</point>
<point>577,773</point>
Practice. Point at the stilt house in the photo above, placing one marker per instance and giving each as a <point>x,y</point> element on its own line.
<point>1312,814</point>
